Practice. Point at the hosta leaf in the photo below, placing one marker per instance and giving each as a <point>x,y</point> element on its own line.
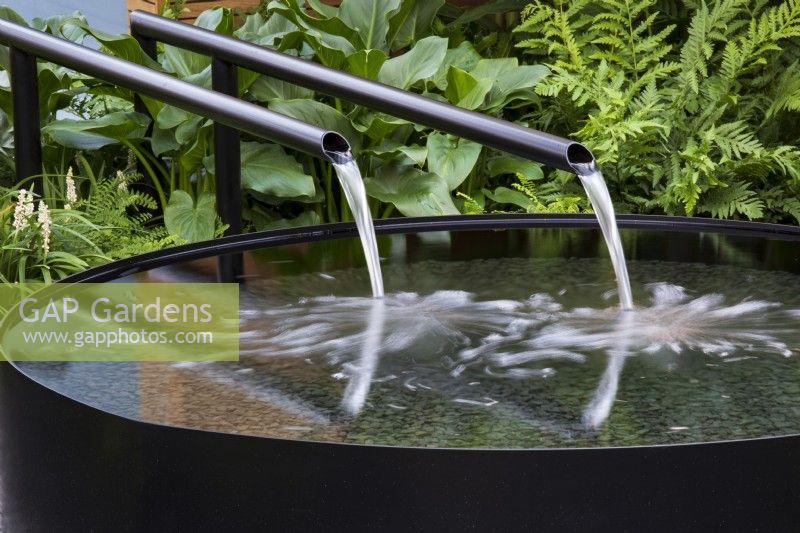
<point>189,221</point>
<point>452,158</point>
<point>413,192</point>
<point>419,63</point>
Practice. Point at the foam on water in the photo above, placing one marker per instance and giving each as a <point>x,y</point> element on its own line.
<point>456,333</point>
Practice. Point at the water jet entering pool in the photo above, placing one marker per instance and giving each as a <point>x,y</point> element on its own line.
<point>353,186</point>
<point>597,191</point>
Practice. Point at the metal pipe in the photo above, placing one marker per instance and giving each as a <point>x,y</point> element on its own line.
<point>221,108</point>
<point>524,142</point>
<point>27,133</point>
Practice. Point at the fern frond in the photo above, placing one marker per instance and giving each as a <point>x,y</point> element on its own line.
<point>734,199</point>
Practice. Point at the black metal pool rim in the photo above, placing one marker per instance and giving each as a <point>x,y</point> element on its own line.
<point>267,239</point>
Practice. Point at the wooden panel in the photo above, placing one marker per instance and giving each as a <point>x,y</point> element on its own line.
<point>193,7</point>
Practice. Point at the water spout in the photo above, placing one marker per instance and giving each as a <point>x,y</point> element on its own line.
<point>336,148</point>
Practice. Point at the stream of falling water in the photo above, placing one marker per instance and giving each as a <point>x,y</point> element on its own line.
<point>353,186</point>
<point>597,191</point>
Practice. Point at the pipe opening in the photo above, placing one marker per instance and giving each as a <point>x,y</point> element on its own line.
<point>336,148</point>
<point>579,157</point>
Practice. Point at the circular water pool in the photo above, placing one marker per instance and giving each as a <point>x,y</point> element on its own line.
<point>499,336</point>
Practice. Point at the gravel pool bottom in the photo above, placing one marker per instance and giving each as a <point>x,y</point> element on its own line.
<point>487,353</point>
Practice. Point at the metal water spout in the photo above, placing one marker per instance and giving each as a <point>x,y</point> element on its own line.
<point>489,131</point>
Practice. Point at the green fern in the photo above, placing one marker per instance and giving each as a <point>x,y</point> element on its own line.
<point>735,199</point>
<point>681,121</point>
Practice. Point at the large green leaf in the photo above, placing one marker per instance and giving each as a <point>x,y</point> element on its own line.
<point>419,63</point>
<point>96,133</point>
<point>217,19</point>
<point>515,83</point>
<point>412,22</point>
<point>189,221</point>
<point>464,90</point>
<point>490,8</point>
<point>182,62</point>
<point>392,150</point>
<point>508,164</point>
<point>6,13</point>
<point>318,114</point>
<point>378,126</point>
<point>195,149</point>
<point>185,63</point>
<point>330,50</point>
<point>366,63</point>
<point>171,116</point>
<point>504,195</point>
<point>121,45</point>
<point>264,221</point>
<point>369,19</point>
<point>267,169</point>
<point>413,192</point>
<point>494,68</point>
<point>330,32</point>
<point>452,158</point>
<point>265,32</point>
<point>163,140</point>
<point>464,57</point>
<point>323,9</point>
<point>267,89</point>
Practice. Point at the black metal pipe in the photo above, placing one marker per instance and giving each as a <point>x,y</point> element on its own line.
<point>27,132</point>
<point>228,169</point>
<point>221,108</point>
<point>524,142</point>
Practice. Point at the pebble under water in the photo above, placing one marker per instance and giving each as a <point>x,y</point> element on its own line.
<point>499,353</point>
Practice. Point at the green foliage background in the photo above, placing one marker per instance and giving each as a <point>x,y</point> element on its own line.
<point>689,106</point>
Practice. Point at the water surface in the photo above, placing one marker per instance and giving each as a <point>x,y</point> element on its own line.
<point>492,339</point>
